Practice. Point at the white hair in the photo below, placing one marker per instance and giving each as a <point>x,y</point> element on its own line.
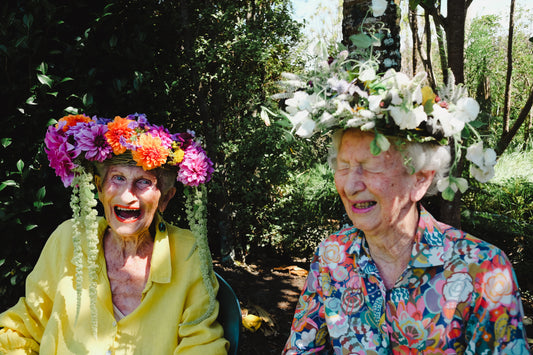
<point>417,157</point>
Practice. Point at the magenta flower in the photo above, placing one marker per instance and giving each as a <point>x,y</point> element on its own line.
<point>61,154</point>
<point>196,168</point>
<point>91,139</point>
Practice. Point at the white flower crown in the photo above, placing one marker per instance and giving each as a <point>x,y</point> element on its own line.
<point>345,93</point>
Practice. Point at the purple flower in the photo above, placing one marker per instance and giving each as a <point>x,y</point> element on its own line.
<point>91,139</point>
<point>184,139</point>
<point>196,168</point>
<point>140,121</point>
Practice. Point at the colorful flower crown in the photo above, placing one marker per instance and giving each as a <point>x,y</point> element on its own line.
<point>77,139</point>
<point>344,93</point>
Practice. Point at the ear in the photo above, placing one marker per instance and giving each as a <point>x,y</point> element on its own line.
<point>423,180</point>
<point>165,199</point>
<point>98,182</point>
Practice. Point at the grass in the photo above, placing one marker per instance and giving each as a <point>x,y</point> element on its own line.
<point>514,165</point>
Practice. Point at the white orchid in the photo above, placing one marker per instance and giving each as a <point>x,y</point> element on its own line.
<point>374,102</point>
<point>379,7</point>
<point>466,109</point>
<point>302,124</point>
<point>449,124</point>
<point>483,161</point>
<point>367,73</point>
<point>409,119</point>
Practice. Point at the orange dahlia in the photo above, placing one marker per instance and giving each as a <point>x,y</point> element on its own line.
<point>72,120</point>
<point>116,130</point>
<point>150,152</point>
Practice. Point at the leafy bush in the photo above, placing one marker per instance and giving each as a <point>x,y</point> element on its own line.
<point>502,214</point>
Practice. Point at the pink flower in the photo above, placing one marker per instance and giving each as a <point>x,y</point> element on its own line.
<point>61,154</point>
<point>196,168</point>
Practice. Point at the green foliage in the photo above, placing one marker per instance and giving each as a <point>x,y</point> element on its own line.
<point>199,65</point>
<point>502,214</point>
<point>486,66</point>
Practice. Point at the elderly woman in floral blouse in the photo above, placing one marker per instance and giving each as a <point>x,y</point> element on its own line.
<point>398,281</point>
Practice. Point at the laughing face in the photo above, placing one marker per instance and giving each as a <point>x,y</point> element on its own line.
<point>130,197</point>
<point>378,193</point>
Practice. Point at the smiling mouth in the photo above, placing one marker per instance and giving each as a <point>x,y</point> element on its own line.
<point>127,214</point>
<point>363,205</point>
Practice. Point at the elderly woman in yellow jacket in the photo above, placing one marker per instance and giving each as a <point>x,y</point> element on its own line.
<point>129,282</point>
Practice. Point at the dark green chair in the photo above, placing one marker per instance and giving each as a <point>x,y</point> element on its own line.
<point>229,315</point>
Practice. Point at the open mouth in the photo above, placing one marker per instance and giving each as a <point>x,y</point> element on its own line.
<point>363,205</point>
<point>127,214</point>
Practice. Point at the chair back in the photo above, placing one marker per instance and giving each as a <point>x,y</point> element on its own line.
<point>229,314</point>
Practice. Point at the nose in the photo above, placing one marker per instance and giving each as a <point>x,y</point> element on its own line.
<point>353,181</point>
<point>128,195</point>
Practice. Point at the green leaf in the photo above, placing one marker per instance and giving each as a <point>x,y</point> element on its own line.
<point>374,147</point>
<point>382,142</point>
<point>29,227</point>
<point>448,194</point>
<point>41,193</point>
<point>43,68</point>
<point>31,100</point>
<point>20,165</point>
<point>71,110</point>
<point>361,40</point>
<point>113,41</point>
<point>27,20</point>
<point>45,80</point>
<point>6,142</point>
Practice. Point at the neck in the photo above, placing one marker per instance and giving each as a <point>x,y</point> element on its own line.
<point>392,251</point>
<point>140,245</point>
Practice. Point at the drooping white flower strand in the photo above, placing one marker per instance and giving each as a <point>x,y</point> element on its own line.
<point>88,214</point>
<point>84,215</point>
<point>77,258</point>
<point>196,210</point>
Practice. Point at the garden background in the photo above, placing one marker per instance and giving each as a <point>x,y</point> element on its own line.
<point>210,66</point>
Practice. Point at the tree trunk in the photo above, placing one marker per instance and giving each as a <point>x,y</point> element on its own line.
<point>455,34</point>
<point>442,52</point>
<point>358,17</point>
<point>413,23</point>
<point>507,98</point>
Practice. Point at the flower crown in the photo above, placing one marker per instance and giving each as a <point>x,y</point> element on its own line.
<point>77,139</point>
<point>344,93</point>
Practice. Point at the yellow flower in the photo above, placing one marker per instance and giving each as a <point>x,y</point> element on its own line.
<point>176,156</point>
<point>428,94</point>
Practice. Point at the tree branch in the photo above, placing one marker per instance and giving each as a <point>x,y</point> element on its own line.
<point>507,138</point>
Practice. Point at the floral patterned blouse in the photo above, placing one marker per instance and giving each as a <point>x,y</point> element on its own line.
<point>458,295</point>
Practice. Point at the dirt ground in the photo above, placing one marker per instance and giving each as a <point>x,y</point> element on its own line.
<point>270,288</point>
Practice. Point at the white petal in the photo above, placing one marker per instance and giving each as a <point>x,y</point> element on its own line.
<point>379,7</point>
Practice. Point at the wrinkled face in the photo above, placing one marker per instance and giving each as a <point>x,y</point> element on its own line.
<point>130,197</point>
<point>377,191</point>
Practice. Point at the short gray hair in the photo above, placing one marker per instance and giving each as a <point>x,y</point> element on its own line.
<point>417,156</point>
